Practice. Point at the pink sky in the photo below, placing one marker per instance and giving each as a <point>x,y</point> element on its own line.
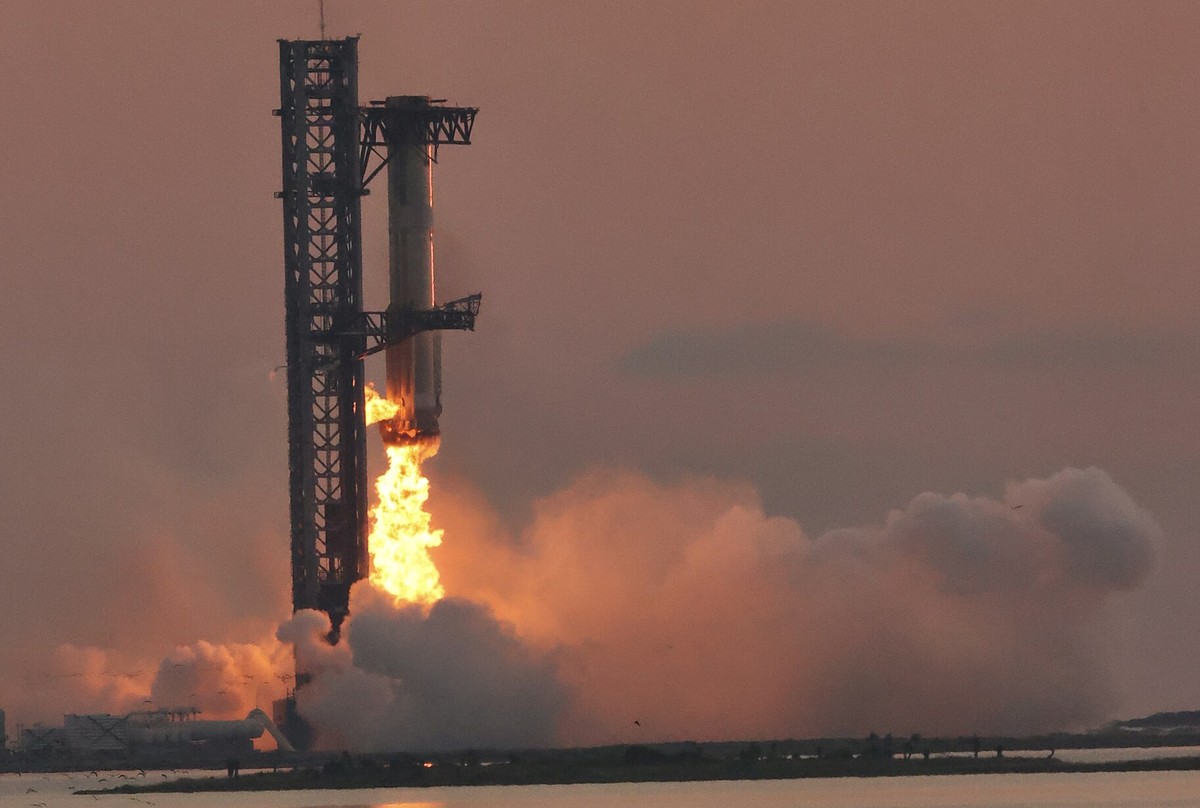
<point>843,252</point>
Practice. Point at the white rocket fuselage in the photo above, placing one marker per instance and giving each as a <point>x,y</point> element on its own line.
<point>413,366</point>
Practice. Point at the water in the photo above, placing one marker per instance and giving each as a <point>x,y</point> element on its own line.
<point>1099,790</point>
<point>1135,753</point>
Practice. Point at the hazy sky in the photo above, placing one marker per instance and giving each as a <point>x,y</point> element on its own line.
<point>842,253</point>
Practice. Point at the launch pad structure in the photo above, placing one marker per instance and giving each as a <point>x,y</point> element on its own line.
<point>332,149</point>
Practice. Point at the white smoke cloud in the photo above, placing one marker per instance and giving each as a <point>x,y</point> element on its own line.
<point>221,681</point>
<point>686,608</point>
<point>75,679</point>
<point>218,680</point>
<point>403,678</point>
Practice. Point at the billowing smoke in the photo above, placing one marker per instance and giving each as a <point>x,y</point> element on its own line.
<point>687,609</point>
<point>218,680</point>
<point>452,678</point>
<point>221,681</point>
<point>684,607</point>
<point>85,679</point>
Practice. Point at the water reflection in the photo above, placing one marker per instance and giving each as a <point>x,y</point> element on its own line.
<point>385,805</point>
<point>1177,789</point>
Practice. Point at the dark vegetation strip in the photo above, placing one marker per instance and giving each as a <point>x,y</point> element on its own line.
<point>345,773</point>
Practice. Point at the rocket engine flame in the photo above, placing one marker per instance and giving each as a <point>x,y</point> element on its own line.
<point>378,408</point>
<point>401,537</point>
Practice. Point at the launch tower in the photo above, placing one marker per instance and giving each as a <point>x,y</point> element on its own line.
<point>332,149</point>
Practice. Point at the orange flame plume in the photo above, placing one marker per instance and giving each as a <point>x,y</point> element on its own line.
<point>400,537</point>
<point>378,407</point>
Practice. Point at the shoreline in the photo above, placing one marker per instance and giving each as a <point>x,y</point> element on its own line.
<point>345,773</point>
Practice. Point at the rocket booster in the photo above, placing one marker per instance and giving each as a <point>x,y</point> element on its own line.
<point>413,366</point>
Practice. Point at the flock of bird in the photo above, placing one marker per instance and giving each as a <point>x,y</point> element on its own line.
<point>99,779</point>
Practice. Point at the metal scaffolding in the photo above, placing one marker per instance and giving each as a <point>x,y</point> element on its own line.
<point>322,190</point>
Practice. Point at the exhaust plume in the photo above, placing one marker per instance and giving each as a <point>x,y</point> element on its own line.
<point>686,608</point>
<point>218,680</point>
<point>221,681</point>
<point>449,676</point>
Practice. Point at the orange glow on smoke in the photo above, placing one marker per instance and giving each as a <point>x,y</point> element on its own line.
<point>400,537</point>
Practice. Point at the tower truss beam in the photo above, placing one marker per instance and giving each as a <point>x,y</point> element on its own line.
<point>379,329</point>
<point>433,125</point>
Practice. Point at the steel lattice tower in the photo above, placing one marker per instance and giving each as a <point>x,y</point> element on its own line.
<point>322,181</point>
